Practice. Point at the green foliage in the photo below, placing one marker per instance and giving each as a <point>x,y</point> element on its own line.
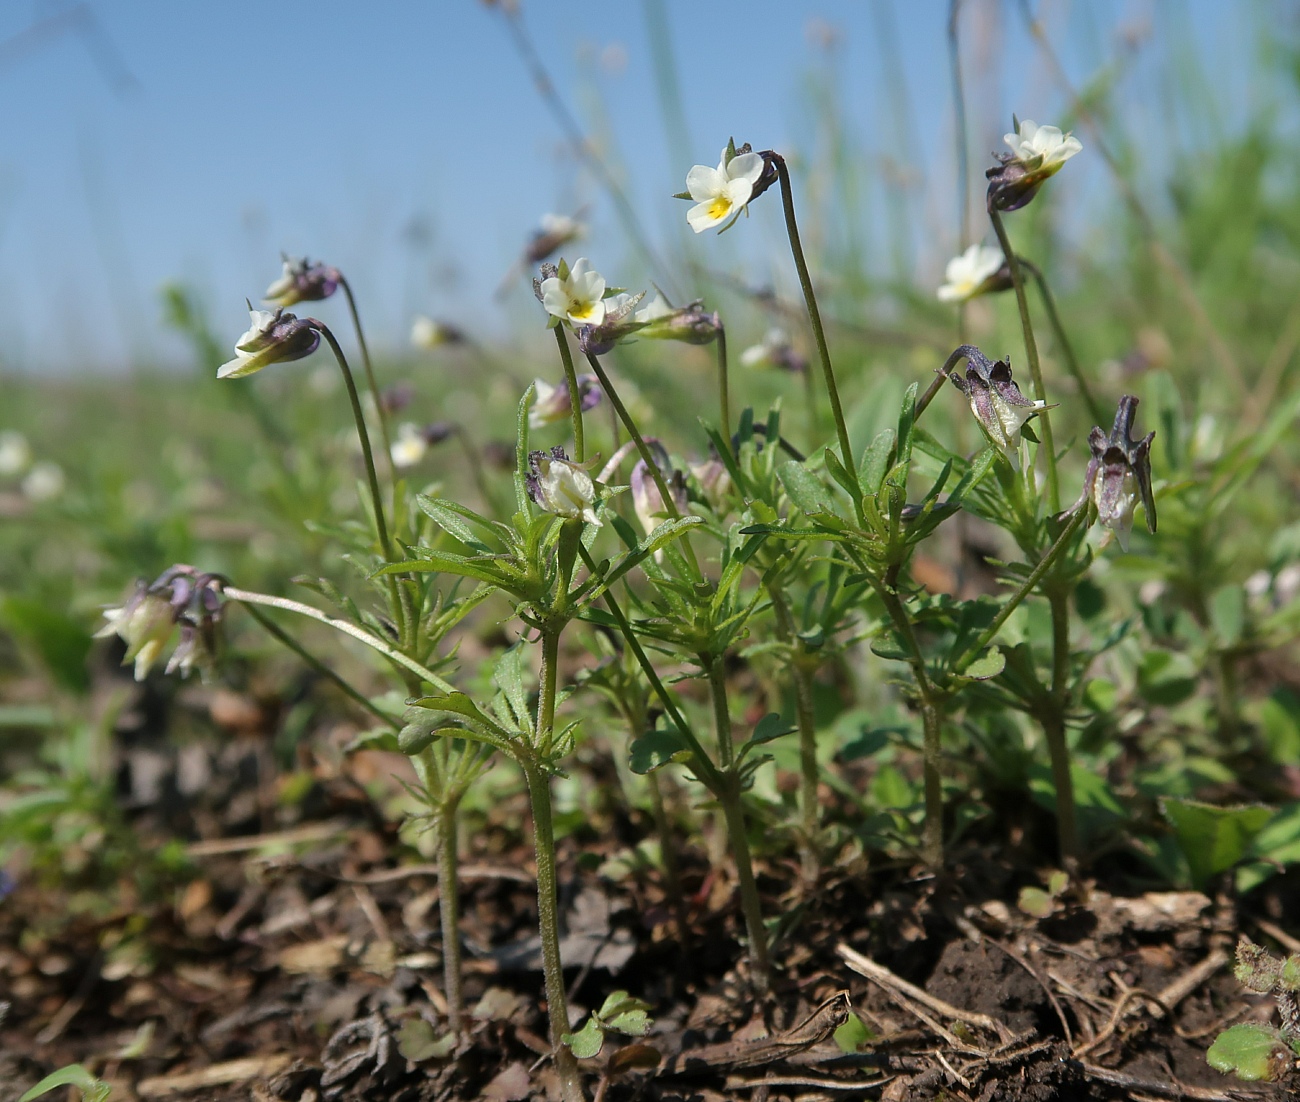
<point>74,1075</point>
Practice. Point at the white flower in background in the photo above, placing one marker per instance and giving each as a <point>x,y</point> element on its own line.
<point>775,350</point>
<point>273,337</point>
<point>427,333</point>
<point>1042,150</point>
<point>561,226</point>
<point>971,274</point>
<point>414,441</point>
<point>551,404</point>
<point>576,296</point>
<point>560,486</point>
<point>15,453</point>
<point>44,481</point>
<point>721,193</point>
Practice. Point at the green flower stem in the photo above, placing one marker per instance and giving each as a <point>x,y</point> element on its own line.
<point>276,632</point>
<point>724,388</point>
<point>701,764</point>
<point>931,698</point>
<point>1031,354</point>
<point>814,315</point>
<point>647,456</point>
<point>1067,349</point>
<point>248,597</point>
<point>371,381</point>
<point>575,396</point>
<point>802,671</point>
<point>449,908</point>
<point>733,811</point>
<point>1026,587</point>
<point>940,377</point>
<point>548,923</point>
<point>548,906</point>
<point>380,524</point>
<point>1053,720</point>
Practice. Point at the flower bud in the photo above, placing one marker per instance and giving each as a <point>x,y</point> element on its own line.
<point>714,480</point>
<point>302,281</point>
<point>552,403</point>
<point>272,338</point>
<point>996,401</point>
<point>647,501</point>
<point>558,485</point>
<point>1119,474</point>
<point>618,324</point>
<point>689,324</point>
<point>180,596</point>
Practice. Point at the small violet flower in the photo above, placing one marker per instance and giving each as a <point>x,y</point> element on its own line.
<point>302,281</point>
<point>558,485</point>
<point>1037,152</point>
<point>414,441</point>
<point>722,193</point>
<point>179,597</point>
<point>979,270</point>
<point>647,501</point>
<point>996,401</point>
<point>575,295</point>
<point>552,404</point>
<point>1119,474</point>
<point>272,338</point>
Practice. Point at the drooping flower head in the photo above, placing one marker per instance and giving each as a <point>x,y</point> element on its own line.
<point>414,441</point>
<point>554,232</point>
<point>618,324</point>
<point>181,598</point>
<point>721,194</point>
<point>1119,474</point>
<point>647,501</point>
<point>775,350</point>
<point>1037,152</point>
<point>575,295</point>
<point>552,403</point>
<point>558,485</point>
<point>302,281</point>
<point>714,480</point>
<point>661,321</point>
<point>271,338</point>
<point>979,270</point>
<point>996,401</point>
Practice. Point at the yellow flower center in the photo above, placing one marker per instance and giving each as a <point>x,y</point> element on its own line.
<point>580,310</point>
<point>720,207</point>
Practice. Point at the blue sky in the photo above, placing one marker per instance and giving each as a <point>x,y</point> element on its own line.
<point>404,142</point>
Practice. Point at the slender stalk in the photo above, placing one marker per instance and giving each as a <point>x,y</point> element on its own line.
<point>1067,350</point>
<point>802,673</point>
<point>575,396</point>
<point>364,436</point>
<point>275,631</point>
<point>724,387</point>
<point>1031,354</point>
<point>1026,587</point>
<point>1054,724</point>
<point>380,415</point>
<point>941,376</point>
<point>248,597</point>
<point>959,126</point>
<point>548,906</point>
<point>814,315</point>
<point>701,764</point>
<point>548,923</point>
<point>449,908</point>
<point>670,506</point>
<point>733,811</point>
<point>932,708</point>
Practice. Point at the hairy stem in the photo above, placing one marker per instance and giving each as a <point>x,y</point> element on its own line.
<point>380,414</point>
<point>575,396</point>
<point>449,908</point>
<point>724,388</point>
<point>1053,721</point>
<point>1067,349</point>
<point>1031,354</point>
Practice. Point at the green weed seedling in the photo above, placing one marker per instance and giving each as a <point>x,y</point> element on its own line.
<point>1251,1050</point>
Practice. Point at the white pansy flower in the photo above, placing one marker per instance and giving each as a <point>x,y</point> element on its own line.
<point>721,193</point>
<point>409,447</point>
<point>971,274</point>
<point>44,482</point>
<point>1042,149</point>
<point>576,296</point>
<point>15,453</point>
<point>560,486</point>
<point>272,337</point>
